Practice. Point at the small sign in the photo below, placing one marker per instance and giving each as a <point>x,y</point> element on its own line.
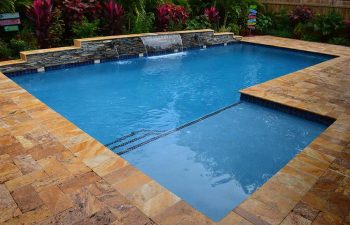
<point>10,22</point>
<point>5,16</point>
<point>11,28</point>
<point>251,22</point>
<point>251,16</point>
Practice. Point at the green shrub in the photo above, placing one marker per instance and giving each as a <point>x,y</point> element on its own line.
<point>327,26</point>
<point>234,28</point>
<point>144,23</point>
<point>57,29</point>
<point>5,51</point>
<point>85,29</point>
<point>263,23</point>
<point>224,29</point>
<point>339,41</point>
<point>286,33</point>
<point>199,22</point>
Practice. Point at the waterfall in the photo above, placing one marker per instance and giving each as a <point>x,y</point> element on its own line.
<point>116,49</point>
<point>162,42</point>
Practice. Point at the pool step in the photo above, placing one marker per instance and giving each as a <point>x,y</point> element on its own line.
<point>132,139</point>
<point>139,138</point>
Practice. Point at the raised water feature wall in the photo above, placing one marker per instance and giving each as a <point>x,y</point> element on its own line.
<point>92,50</point>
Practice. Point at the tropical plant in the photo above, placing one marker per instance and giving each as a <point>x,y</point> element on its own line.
<point>263,23</point>
<point>9,6</point>
<point>85,29</point>
<point>300,14</point>
<point>235,10</point>
<point>328,25</point>
<point>212,15</point>
<point>41,15</point>
<point>199,22</point>
<point>170,17</point>
<point>143,23</point>
<point>339,41</point>
<point>73,11</point>
<point>114,13</point>
<point>234,28</point>
<point>57,29</point>
<point>5,50</point>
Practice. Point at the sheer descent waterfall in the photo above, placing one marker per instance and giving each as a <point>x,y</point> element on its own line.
<point>162,42</point>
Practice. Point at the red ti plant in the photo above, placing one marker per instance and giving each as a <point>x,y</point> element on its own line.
<point>73,11</point>
<point>212,14</point>
<point>41,15</point>
<point>300,14</point>
<point>171,16</point>
<point>114,14</point>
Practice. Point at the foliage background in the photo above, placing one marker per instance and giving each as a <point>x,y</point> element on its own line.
<point>87,18</point>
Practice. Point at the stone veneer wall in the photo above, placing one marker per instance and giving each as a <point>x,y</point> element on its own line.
<point>86,50</point>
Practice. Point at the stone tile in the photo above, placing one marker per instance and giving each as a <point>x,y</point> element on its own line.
<point>233,219</point>
<point>8,171</point>
<point>24,180</point>
<point>5,158</point>
<point>103,216</point>
<point>181,213</point>
<point>294,219</point>
<point>88,149</point>
<point>77,182</point>
<point>324,218</point>
<point>8,207</point>
<point>31,217</point>
<point>131,183</point>
<point>55,199</point>
<point>26,143</point>
<point>129,214</point>
<point>26,164</point>
<point>75,166</point>
<point>53,168</point>
<point>146,192</point>
<point>99,159</point>
<point>109,166</point>
<point>259,213</point>
<point>125,212</point>
<point>67,217</point>
<point>159,203</point>
<point>45,150</point>
<point>118,175</point>
<point>26,198</point>
<point>304,210</point>
<point>85,201</point>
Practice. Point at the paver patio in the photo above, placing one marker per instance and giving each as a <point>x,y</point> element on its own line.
<point>51,172</point>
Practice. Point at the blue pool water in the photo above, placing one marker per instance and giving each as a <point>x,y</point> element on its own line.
<point>217,163</point>
<point>214,164</point>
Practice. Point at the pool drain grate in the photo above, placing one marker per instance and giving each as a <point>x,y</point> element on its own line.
<point>158,134</point>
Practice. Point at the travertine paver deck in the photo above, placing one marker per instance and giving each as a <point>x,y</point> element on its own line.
<point>51,172</point>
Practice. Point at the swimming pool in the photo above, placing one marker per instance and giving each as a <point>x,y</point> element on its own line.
<point>125,103</point>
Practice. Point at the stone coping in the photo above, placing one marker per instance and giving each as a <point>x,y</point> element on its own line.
<point>140,35</point>
<point>52,172</point>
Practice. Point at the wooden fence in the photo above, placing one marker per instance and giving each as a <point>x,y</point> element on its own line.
<point>318,6</point>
